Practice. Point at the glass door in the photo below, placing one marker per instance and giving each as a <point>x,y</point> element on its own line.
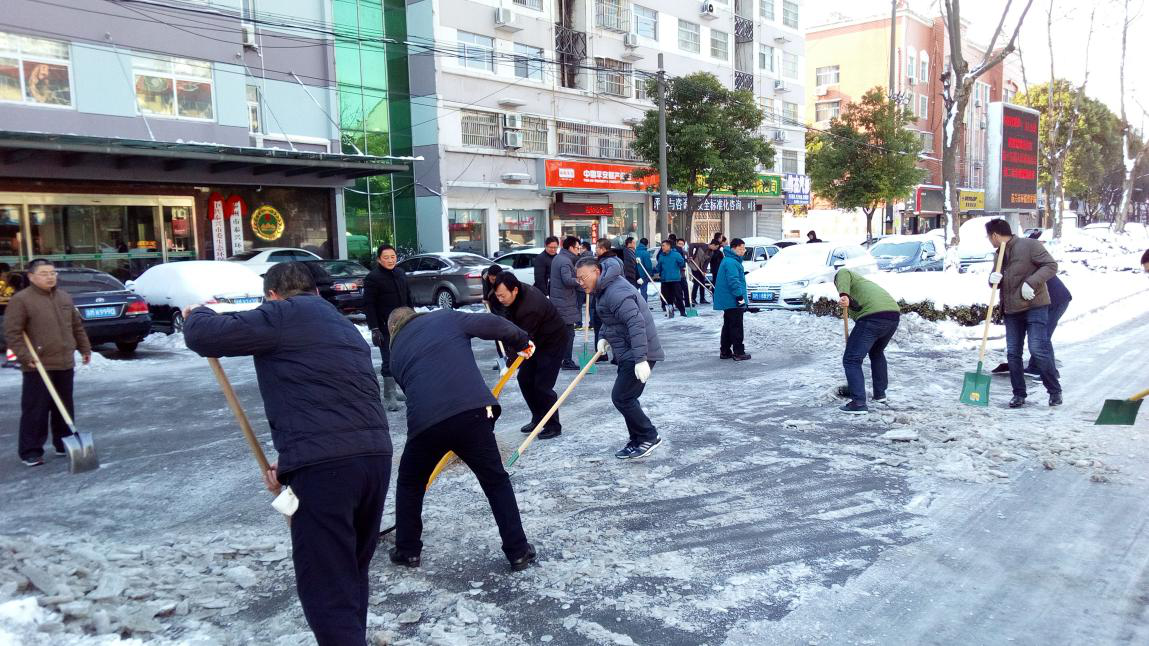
<point>581,228</point>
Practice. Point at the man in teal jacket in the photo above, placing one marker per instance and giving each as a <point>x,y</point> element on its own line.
<point>669,267</point>
<point>729,296</point>
<point>647,270</point>
<point>876,315</point>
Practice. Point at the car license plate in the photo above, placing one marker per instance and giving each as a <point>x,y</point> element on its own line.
<point>99,312</point>
<point>248,299</point>
<point>763,296</point>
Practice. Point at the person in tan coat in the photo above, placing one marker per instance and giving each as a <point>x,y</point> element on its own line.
<point>53,324</point>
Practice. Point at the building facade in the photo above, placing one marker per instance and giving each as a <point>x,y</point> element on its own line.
<point>849,57</point>
<point>139,133</point>
<point>522,111</point>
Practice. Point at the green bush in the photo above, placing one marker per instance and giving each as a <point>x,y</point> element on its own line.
<point>967,315</point>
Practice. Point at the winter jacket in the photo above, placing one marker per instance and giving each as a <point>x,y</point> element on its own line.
<point>384,290</point>
<point>314,370</point>
<point>716,258</point>
<point>627,324</point>
<point>542,267</point>
<point>630,266</point>
<point>52,322</point>
<point>1026,261</point>
<point>730,284</point>
<point>537,316</point>
<point>644,259</point>
<point>1058,292</point>
<point>431,359</point>
<point>669,266</point>
<point>866,297</point>
<point>564,288</point>
<point>700,258</point>
<point>489,296</point>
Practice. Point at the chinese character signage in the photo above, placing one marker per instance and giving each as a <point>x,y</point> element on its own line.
<point>215,213</point>
<point>562,173</point>
<point>796,188</point>
<point>764,186</point>
<point>1011,176</point>
<point>712,203</point>
<point>235,209</point>
<point>970,200</point>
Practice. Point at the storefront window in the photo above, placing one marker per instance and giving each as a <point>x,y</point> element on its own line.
<point>11,243</point>
<point>35,70</point>
<point>120,240</point>
<point>466,230</point>
<point>175,87</point>
<point>581,228</point>
<point>624,222</point>
<point>521,228</point>
<point>179,234</point>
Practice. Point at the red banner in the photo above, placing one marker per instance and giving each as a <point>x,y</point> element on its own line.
<point>562,173</point>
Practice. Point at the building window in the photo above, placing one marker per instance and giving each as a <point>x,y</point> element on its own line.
<point>645,22</point>
<point>613,77</point>
<point>174,87</point>
<point>689,36</point>
<point>476,52</point>
<point>35,70</point>
<point>480,129</point>
<point>828,75</point>
<point>612,14</point>
<point>602,142</point>
<point>528,62</point>
<point>719,44</point>
<point>766,8</point>
<point>790,113</point>
<point>789,65</point>
<point>465,229</point>
<point>640,79</point>
<point>530,4</point>
<point>521,227</point>
<point>927,141</point>
<point>924,72</point>
<point>536,135</point>
<point>910,65</point>
<point>826,110</point>
<point>767,109</point>
<point>923,106</point>
<point>254,110</point>
<point>790,13</point>
<point>766,58</point>
<point>789,161</point>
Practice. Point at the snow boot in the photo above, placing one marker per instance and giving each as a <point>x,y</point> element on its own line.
<point>523,562</point>
<point>389,388</point>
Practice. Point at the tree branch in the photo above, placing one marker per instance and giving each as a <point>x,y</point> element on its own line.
<point>993,59</point>
<point>997,32</point>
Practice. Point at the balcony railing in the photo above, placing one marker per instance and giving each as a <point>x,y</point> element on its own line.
<point>614,16</point>
<point>570,48</point>
<point>743,81</point>
<point>743,30</point>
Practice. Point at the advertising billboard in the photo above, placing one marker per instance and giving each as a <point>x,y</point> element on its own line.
<point>1011,168</point>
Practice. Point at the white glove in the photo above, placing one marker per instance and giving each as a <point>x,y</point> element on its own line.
<point>642,371</point>
<point>994,278</point>
<point>603,346</point>
<point>640,281</point>
<point>527,351</point>
<point>1027,292</point>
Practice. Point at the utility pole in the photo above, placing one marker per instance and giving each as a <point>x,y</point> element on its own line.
<point>663,218</point>
<point>893,80</point>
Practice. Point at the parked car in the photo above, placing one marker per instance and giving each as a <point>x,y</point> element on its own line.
<point>908,253</point>
<point>222,285</point>
<point>340,282</point>
<point>447,279</point>
<point>756,256</point>
<point>974,247</point>
<point>783,281</point>
<point>111,313</point>
<point>519,262</point>
<point>782,244</point>
<point>260,260</point>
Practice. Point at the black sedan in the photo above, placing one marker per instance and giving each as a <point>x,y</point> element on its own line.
<point>110,312</point>
<point>340,282</point>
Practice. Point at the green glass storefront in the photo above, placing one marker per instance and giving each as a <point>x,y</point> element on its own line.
<point>375,119</point>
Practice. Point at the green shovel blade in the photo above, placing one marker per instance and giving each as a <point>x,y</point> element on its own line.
<point>975,388</point>
<point>586,357</point>
<point>1118,412</point>
<point>511,460</point>
<point>691,312</point>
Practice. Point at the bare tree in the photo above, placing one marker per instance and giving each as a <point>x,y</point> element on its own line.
<point>957,86</point>
<point>1132,149</point>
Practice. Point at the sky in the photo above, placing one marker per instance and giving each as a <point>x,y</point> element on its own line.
<point>1070,28</point>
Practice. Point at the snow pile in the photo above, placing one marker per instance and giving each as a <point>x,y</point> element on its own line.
<point>1100,249</point>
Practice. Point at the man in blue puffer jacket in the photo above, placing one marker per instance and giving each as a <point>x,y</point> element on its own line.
<point>729,296</point>
<point>669,267</point>
<point>321,396</point>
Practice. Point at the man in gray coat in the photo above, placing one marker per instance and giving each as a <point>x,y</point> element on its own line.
<point>564,293</point>
<point>628,329</point>
<point>1025,302</point>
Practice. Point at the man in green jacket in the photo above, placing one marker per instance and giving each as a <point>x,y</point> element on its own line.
<point>876,315</point>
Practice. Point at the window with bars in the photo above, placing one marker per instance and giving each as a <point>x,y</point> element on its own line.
<point>789,161</point>
<point>719,44</point>
<point>476,51</point>
<point>766,8</point>
<point>689,36</point>
<point>530,4</point>
<point>766,58</point>
<point>528,62</point>
<point>828,75</point>
<point>826,110</point>
<point>536,135</point>
<point>600,142</point>
<point>613,77</point>
<point>480,129</point>
<point>645,22</point>
<point>790,13</point>
<point>612,14</point>
<point>790,65</point>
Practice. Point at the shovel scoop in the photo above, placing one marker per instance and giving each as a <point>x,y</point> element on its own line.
<point>975,387</point>
<point>80,447</point>
<point>1121,412</point>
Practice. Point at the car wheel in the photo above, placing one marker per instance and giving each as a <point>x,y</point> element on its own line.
<point>445,299</point>
<point>177,322</point>
<point>127,347</point>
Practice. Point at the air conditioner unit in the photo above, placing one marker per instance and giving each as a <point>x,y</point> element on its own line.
<point>630,40</point>
<point>780,136</point>
<point>708,10</point>
<point>781,40</point>
<point>513,121</point>
<point>822,90</point>
<point>506,20</point>
<point>983,124</point>
<point>248,31</point>
<point>512,139</point>
<point>781,86</point>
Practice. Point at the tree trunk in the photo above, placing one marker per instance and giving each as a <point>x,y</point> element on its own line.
<point>1127,183</point>
<point>951,142</point>
<point>869,213</point>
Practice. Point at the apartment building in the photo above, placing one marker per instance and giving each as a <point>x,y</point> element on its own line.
<point>523,113</point>
<point>848,57</point>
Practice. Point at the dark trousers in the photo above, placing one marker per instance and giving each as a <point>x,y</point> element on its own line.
<point>672,292</point>
<point>537,377</point>
<point>385,352</point>
<point>682,285</point>
<point>1055,313</point>
<point>1034,324</point>
<point>38,412</point>
<point>869,337</point>
<point>569,350</point>
<point>333,537</point>
<point>471,435</point>
<point>732,331</point>
<point>643,288</point>
<point>698,292</point>
<point>627,390</point>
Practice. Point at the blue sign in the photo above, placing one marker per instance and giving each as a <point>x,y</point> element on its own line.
<point>796,188</point>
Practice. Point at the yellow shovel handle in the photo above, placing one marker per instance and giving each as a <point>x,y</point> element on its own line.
<point>1139,396</point>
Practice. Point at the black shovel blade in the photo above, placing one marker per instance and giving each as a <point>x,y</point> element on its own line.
<point>81,453</point>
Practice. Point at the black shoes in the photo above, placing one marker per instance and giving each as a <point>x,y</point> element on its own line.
<point>742,357</point>
<point>524,561</point>
<point>635,450</point>
<point>570,365</point>
<point>725,355</point>
<point>548,433</point>
<point>854,408</point>
<point>1017,402</point>
<point>1055,400</point>
<point>527,428</point>
<point>405,561</point>
<point>33,462</point>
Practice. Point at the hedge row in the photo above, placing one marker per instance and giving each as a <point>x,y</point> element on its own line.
<point>967,315</point>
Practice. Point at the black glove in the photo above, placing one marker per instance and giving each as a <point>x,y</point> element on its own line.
<point>738,300</point>
<point>377,338</point>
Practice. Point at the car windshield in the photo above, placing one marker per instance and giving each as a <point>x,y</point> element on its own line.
<point>83,282</point>
<point>895,249</point>
<point>344,268</point>
<point>247,255</point>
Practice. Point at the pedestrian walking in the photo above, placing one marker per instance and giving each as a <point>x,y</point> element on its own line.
<point>812,237</point>
<point>630,262</point>
<point>1026,269</point>
<point>451,409</point>
<point>564,294</point>
<point>384,290</point>
<point>642,251</point>
<point>699,259</point>
<point>321,398</point>
<point>49,317</point>
<point>669,268</point>
<point>628,333</point>
<point>730,299</point>
<point>542,265</point>
<point>527,308</point>
<point>1145,261</point>
<point>876,316</point>
<point>680,247</point>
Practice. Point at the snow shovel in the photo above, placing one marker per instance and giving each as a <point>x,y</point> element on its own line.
<point>669,307</point>
<point>690,311</point>
<point>79,446</point>
<point>846,322</point>
<point>240,416</point>
<point>501,361</point>
<point>975,387</point>
<point>550,413</point>
<point>1121,412</point>
<point>586,354</point>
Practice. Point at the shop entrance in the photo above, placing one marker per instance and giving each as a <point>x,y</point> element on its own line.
<point>581,228</point>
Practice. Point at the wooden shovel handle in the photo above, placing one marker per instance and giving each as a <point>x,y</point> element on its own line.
<point>989,310</point>
<point>650,279</point>
<point>48,383</point>
<point>240,416</point>
<point>562,398</point>
<point>846,321</point>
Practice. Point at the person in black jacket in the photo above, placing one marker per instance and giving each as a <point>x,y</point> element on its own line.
<point>527,308</point>
<point>321,397</point>
<point>542,265</point>
<point>716,257</point>
<point>489,275</point>
<point>385,289</point>
<point>451,409</point>
<point>630,262</point>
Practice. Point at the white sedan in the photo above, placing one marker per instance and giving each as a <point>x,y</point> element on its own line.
<point>783,281</point>
<point>221,285</point>
<point>519,262</point>
<point>260,260</point>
